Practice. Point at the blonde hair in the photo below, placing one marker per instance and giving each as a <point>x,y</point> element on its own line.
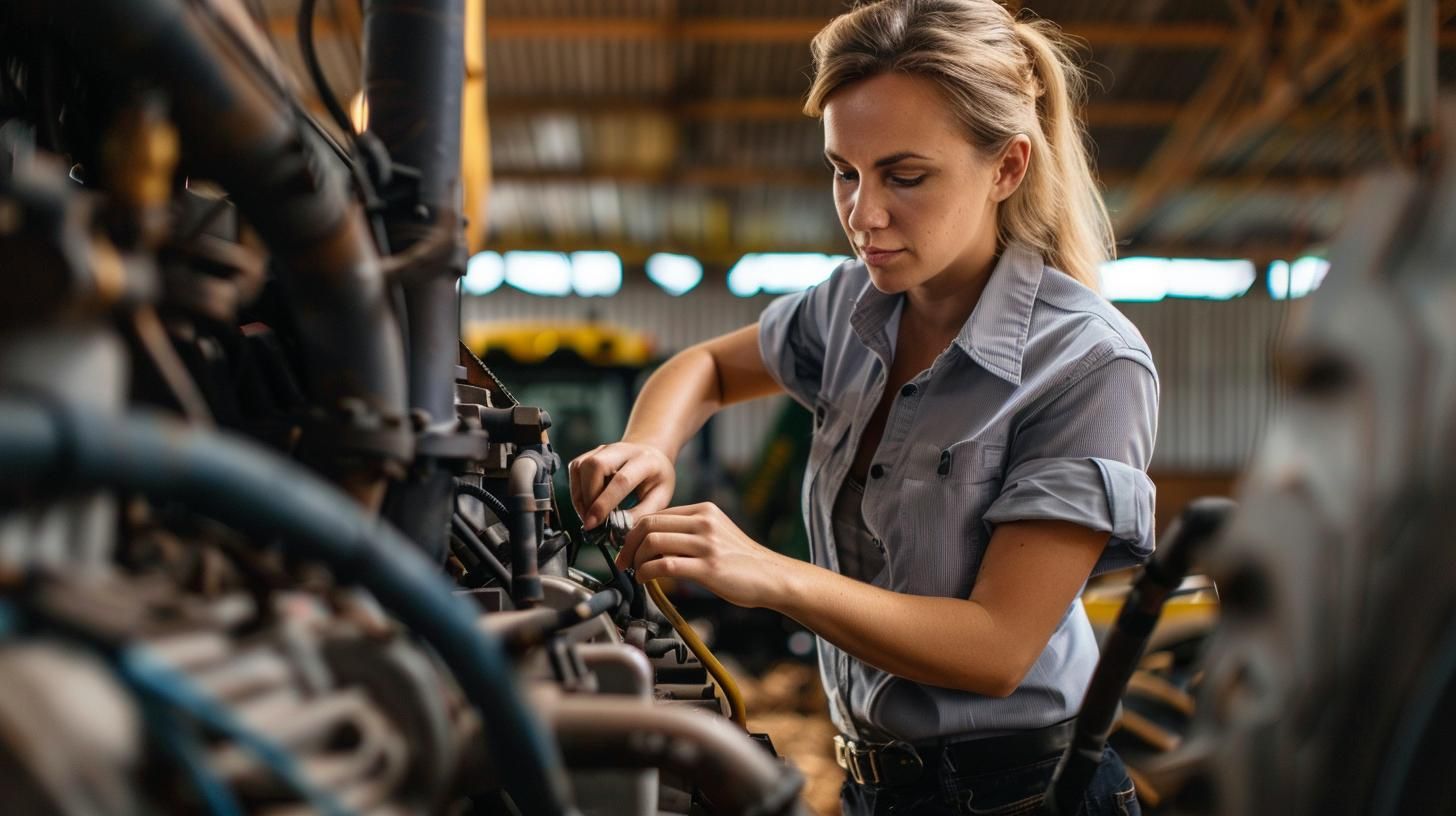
<point>1001,76</point>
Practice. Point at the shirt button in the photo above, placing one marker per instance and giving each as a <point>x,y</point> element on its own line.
<point>819,416</point>
<point>909,390</point>
<point>879,545</point>
<point>877,471</point>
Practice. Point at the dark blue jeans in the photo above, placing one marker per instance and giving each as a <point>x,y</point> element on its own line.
<point>948,791</point>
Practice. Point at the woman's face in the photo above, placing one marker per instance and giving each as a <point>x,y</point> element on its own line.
<point>916,199</point>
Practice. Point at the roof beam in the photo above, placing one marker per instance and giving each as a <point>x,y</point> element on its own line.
<point>1099,113</point>
<point>1200,135</point>
<point>731,177</point>
<point>1172,36</point>
<point>801,30</point>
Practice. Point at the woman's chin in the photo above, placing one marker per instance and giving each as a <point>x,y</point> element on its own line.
<point>887,282</point>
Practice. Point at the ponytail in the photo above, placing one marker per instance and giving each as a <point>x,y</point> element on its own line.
<point>1001,77</point>
<point>1058,208</point>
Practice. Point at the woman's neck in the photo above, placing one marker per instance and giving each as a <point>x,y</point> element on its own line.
<point>944,303</point>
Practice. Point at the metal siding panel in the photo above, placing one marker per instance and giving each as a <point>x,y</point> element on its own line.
<point>1218,388</point>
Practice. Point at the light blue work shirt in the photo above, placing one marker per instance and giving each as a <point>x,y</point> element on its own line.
<point>1043,407</point>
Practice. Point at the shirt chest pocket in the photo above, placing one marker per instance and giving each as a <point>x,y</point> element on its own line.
<point>944,494</point>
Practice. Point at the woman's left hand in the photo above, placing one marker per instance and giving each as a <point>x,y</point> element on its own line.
<point>699,542</point>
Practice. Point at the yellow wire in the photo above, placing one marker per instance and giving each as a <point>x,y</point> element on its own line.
<point>736,709</point>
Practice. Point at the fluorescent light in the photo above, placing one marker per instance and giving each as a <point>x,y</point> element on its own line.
<point>676,274</point>
<point>780,272</point>
<point>1297,279</point>
<point>483,273</point>
<point>539,273</point>
<point>596,273</point>
<point>1150,279</point>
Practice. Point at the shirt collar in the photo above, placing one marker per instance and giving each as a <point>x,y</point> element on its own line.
<point>995,334</point>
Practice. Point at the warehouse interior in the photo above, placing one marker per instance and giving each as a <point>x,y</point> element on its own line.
<point>310,303</point>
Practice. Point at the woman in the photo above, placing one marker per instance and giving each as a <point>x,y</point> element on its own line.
<point>983,419</point>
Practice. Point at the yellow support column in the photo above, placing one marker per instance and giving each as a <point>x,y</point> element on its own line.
<point>475,129</point>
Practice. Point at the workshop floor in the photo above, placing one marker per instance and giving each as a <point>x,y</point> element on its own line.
<point>787,703</point>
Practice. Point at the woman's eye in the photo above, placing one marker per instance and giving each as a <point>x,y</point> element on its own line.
<point>906,181</point>
<point>845,175</point>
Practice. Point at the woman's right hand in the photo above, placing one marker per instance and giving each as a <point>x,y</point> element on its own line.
<point>602,478</point>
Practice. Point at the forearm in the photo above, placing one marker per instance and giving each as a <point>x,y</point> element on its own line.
<point>947,642</point>
<point>695,384</point>
<point>675,402</point>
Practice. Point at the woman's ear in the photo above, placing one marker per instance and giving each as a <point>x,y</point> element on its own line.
<point>1011,168</point>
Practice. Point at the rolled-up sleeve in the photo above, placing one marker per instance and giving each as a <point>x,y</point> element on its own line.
<point>1083,458</point>
<point>791,334</point>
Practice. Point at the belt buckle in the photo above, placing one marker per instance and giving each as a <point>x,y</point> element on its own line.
<point>848,755</point>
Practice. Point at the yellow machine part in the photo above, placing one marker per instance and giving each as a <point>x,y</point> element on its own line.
<point>597,343</point>
<point>1183,617</point>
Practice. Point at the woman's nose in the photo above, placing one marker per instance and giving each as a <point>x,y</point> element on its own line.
<point>867,212</point>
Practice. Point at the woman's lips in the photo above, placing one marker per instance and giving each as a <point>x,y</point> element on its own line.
<point>880,257</point>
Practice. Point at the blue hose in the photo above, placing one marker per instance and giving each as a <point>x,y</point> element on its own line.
<point>158,681</point>
<point>238,483</point>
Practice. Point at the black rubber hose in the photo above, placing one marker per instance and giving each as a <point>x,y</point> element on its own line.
<point>237,128</point>
<point>481,552</point>
<point>306,10</point>
<point>488,499</point>
<point>1123,649</point>
<point>238,483</point>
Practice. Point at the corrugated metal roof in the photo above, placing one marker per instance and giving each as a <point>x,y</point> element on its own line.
<point>637,137</point>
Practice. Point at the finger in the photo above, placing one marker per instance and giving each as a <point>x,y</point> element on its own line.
<point>656,523</point>
<point>672,566</point>
<point>574,487</point>
<point>669,545</point>
<point>618,488</point>
<point>701,508</point>
<point>653,500</point>
<point>593,473</point>
<point>635,534</point>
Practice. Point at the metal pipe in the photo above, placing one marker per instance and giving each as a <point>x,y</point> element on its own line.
<point>526,630</point>
<point>1200,522</point>
<point>243,485</point>
<point>616,731</point>
<point>414,70</point>
<point>238,128</point>
<point>527,475</point>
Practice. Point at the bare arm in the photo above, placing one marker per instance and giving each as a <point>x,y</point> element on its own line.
<point>675,402</point>
<point>985,644</point>
<point>696,383</point>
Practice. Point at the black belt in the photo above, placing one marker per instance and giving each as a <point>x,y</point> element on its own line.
<point>900,763</point>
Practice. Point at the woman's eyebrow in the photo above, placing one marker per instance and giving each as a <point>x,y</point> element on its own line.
<point>893,158</point>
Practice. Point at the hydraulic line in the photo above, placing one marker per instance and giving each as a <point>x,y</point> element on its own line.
<point>481,552</point>
<point>619,521</point>
<point>736,708</point>
<point>238,483</point>
<point>485,497</point>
